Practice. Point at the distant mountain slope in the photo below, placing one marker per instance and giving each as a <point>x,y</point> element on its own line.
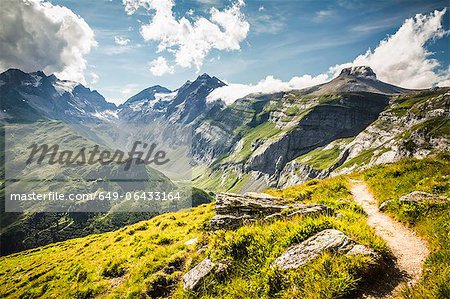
<point>190,101</point>
<point>181,106</point>
<point>260,140</point>
<point>146,94</point>
<point>32,96</point>
<point>286,138</point>
<point>146,105</point>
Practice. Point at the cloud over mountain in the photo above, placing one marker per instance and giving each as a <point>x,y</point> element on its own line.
<point>401,59</point>
<point>159,67</point>
<point>190,40</point>
<point>38,35</point>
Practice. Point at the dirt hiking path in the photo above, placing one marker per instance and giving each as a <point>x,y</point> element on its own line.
<point>408,249</point>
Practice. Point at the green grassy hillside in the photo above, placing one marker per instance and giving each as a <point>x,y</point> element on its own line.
<point>430,219</point>
<point>148,259</point>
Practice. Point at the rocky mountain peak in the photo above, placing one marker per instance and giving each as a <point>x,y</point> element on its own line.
<point>356,79</point>
<point>14,76</point>
<point>205,76</point>
<point>147,94</point>
<point>207,79</point>
<point>359,71</point>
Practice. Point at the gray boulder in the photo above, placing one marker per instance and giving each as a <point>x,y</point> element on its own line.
<point>385,204</point>
<point>235,210</point>
<point>414,197</point>
<point>330,240</point>
<point>418,196</point>
<point>194,278</point>
<point>359,249</point>
<point>247,204</point>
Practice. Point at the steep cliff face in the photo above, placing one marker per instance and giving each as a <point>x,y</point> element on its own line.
<point>340,118</point>
<point>219,133</point>
<point>415,125</point>
<point>352,122</point>
<point>257,138</point>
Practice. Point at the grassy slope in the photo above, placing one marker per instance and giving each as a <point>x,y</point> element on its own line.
<point>431,220</point>
<point>149,258</point>
<point>321,158</point>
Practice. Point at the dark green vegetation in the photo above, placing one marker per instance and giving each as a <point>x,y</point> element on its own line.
<point>431,219</point>
<point>147,259</point>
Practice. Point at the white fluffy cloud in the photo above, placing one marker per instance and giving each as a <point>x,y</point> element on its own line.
<point>191,41</point>
<point>94,77</point>
<point>36,35</point>
<point>159,67</point>
<point>121,40</point>
<point>232,92</point>
<point>401,59</point>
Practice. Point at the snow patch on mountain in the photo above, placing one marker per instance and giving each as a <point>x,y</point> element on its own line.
<point>107,115</point>
<point>139,106</point>
<point>150,104</point>
<point>165,96</point>
<point>63,86</point>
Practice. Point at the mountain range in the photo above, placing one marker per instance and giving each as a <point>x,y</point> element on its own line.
<point>259,141</point>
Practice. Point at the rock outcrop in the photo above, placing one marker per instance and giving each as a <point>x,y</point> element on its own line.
<point>414,197</point>
<point>251,204</point>
<point>235,210</point>
<point>193,279</point>
<point>330,240</point>
<point>229,221</point>
<point>418,196</point>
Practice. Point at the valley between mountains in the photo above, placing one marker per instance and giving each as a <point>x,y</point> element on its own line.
<point>340,190</point>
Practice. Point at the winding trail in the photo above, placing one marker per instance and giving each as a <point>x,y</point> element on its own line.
<point>409,250</point>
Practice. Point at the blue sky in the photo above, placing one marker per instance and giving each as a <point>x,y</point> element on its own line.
<point>285,39</point>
